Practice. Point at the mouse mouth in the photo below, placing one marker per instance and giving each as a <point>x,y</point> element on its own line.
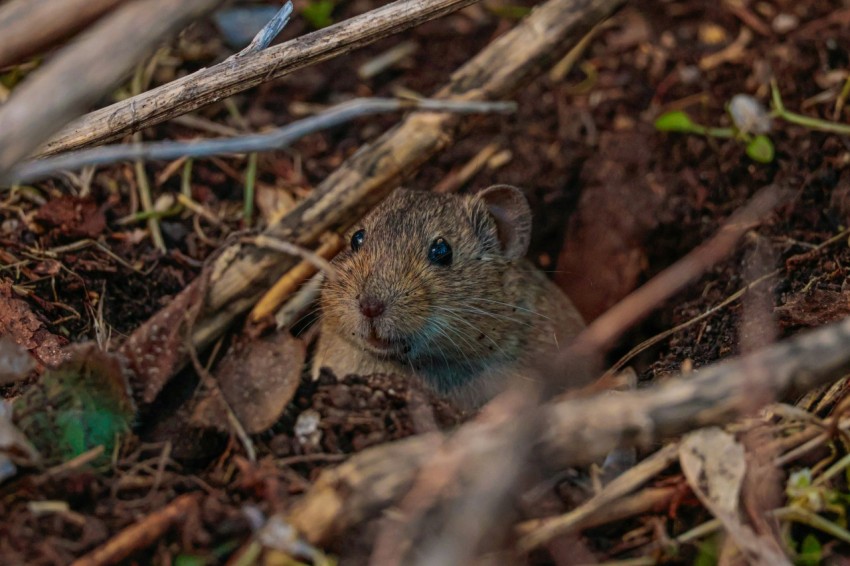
<point>383,346</point>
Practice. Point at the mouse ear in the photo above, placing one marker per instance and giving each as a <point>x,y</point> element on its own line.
<point>509,209</point>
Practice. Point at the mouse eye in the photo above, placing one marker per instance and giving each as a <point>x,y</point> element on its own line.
<point>440,252</point>
<point>357,239</point>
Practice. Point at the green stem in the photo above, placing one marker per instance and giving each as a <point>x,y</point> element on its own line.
<point>779,111</point>
<point>813,520</point>
<point>186,178</point>
<point>250,181</point>
<point>720,132</point>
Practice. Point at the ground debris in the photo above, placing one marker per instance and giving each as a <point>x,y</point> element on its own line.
<point>615,202</point>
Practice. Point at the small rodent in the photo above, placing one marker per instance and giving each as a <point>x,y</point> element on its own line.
<point>436,286</point>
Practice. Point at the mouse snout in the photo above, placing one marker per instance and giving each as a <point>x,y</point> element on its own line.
<point>371,306</point>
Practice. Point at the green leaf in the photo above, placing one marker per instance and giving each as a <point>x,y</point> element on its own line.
<point>811,552</point>
<point>761,149</point>
<point>676,121</point>
<point>318,13</point>
<point>510,11</point>
<point>82,404</point>
<point>708,552</point>
<point>190,560</point>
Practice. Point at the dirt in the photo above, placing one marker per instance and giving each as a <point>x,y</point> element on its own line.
<point>615,203</point>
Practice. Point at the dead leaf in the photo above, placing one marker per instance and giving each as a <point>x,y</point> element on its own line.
<point>15,449</point>
<point>18,322</point>
<point>604,251</point>
<point>72,217</point>
<point>815,308</point>
<point>714,463</point>
<point>154,351</point>
<point>15,361</point>
<point>258,378</point>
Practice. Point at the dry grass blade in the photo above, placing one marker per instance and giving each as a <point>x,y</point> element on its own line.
<point>77,76</point>
<point>141,534</point>
<point>542,530</point>
<point>28,26</point>
<point>241,73</point>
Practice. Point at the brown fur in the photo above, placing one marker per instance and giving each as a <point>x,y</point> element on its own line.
<point>464,328</point>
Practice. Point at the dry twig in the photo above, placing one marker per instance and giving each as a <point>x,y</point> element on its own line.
<point>141,534</point>
<point>276,139</point>
<point>241,73</point>
<point>581,431</point>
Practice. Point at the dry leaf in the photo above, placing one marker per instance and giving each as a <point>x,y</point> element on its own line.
<point>14,446</point>
<point>815,308</point>
<point>19,322</point>
<point>258,379</point>
<point>15,361</point>
<point>714,463</point>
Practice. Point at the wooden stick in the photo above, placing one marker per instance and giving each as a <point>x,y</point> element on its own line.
<point>141,534</point>
<point>242,273</point>
<point>28,26</point>
<point>536,532</point>
<point>241,73</point>
<point>289,283</point>
<point>36,169</point>
<point>83,71</point>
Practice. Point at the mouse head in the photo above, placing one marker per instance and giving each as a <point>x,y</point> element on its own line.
<point>423,280</point>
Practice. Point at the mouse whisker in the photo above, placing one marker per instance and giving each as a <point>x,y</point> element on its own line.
<point>493,315</point>
<point>448,331</point>
<point>511,306</point>
<point>308,314</point>
<point>475,328</point>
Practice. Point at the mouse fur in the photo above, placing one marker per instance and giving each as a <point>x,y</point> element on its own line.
<point>465,324</point>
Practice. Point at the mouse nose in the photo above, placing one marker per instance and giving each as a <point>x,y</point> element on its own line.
<point>371,307</point>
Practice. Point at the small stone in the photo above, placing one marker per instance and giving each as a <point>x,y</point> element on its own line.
<point>783,23</point>
<point>307,428</point>
<point>712,34</point>
<point>689,74</point>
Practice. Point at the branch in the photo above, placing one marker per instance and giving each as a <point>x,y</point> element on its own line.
<point>276,139</point>
<point>600,334</point>
<point>453,542</point>
<point>84,70</point>
<point>581,431</point>
<point>28,26</point>
<point>241,73</point>
<point>270,31</point>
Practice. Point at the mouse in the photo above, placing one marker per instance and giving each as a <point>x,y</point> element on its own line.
<point>436,287</point>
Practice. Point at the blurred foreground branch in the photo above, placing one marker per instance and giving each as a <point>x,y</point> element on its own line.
<point>84,70</point>
<point>580,431</point>
<point>28,26</point>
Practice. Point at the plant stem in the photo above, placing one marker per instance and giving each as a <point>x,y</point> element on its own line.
<point>250,181</point>
<point>779,111</point>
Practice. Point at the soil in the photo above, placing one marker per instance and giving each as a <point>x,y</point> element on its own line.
<point>615,203</point>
